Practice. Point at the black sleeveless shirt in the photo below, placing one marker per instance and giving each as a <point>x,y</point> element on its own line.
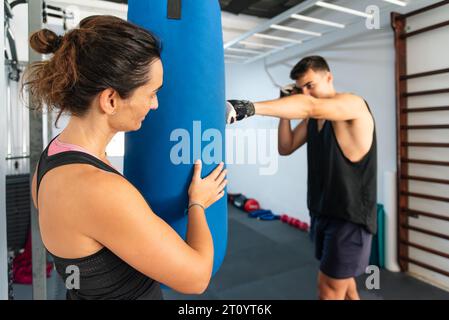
<point>336,186</point>
<point>103,275</point>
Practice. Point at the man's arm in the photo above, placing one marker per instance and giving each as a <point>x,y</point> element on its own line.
<point>289,141</point>
<point>340,108</point>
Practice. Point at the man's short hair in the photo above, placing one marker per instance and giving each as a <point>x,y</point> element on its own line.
<point>316,63</point>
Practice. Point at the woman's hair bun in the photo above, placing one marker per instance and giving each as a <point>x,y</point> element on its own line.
<point>45,41</point>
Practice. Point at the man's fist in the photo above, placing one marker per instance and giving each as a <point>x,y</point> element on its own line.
<point>290,90</point>
<point>237,110</point>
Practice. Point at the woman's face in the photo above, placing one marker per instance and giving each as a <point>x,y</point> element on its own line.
<point>133,110</point>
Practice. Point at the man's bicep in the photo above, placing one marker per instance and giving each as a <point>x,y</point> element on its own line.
<point>344,107</point>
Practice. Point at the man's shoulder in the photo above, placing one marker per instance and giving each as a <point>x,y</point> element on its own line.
<point>350,95</point>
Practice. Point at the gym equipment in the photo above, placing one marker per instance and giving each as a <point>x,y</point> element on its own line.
<point>244,203</point>
<point>303,226</point>
<point>22,265</point>
<point>239,201</point>
<point>417,241</point>
<point>263,215</point>
<point>17,166</point>
<point>237,110</point>
<point>288,90</point>
<point>191,112</point>
<point>251,205</point>
<point>232,196</point>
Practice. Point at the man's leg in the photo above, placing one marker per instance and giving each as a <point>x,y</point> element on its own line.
<point>344,254</point>
<point>352,293</point>
<point>334,289</point>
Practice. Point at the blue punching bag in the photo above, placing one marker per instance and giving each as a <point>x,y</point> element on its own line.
<point>190,121</point>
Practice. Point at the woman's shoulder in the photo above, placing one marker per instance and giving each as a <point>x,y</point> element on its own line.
<point>93,196</point>
<point>103,189</point>
<point>84,184</point>
<point>100,181</point>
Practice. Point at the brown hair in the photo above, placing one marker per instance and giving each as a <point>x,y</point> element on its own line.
<point>103,52</point>
<point>316,63</point>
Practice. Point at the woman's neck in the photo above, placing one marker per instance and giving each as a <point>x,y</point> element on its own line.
<point>88,134</point>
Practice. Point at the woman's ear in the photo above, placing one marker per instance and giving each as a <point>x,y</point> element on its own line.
<point>108,101</point>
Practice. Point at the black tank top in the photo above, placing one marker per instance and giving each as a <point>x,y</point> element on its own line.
<point>103,275</point>
<point>336,186</point>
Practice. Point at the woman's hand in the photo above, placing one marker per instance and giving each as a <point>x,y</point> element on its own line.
<point>210,189</point>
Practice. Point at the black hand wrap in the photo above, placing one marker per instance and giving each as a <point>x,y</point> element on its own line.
<point>243,108</point>
<point>290,90</point>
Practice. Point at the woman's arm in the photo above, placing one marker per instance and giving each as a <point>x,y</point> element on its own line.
<point>116,215</point>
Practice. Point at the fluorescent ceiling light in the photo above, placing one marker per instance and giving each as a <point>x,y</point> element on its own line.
<point>296,30</point>
<point>266,36</point>
<point>397,2</point>
<point>232,56</point>
<point>319,21</point>
<point>257,44</point>
<point>243,50</point>
<point>343,9</point>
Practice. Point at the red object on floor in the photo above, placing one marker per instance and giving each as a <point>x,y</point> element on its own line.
<point>304,226</point>
<point>296,223</point>
<point>22,267</point>
<point>251,205</point>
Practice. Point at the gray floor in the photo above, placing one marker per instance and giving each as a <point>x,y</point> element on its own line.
<point>271,260</point>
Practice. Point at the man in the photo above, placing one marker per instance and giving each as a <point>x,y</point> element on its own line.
<point>340,134</point>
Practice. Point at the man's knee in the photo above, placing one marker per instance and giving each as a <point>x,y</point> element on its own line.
<point>332,289</point>
<point>328,293</point>
<point>352,293</point>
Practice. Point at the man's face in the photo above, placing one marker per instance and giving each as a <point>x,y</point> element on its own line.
<point>317,84</point>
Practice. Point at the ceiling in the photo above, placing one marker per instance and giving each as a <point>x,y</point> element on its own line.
<point>239,16</point>
<point>257,8</point>
<point>242,17</point>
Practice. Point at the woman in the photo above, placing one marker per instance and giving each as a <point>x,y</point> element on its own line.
<point>106,75</point>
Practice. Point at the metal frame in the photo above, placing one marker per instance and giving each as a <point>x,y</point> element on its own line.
<point>3,241</point>
<point>290,13</point>
<point>39,254</point>
<point>343,9</point>
<point>266,25</point>
<point>399,22</point>
<point>92,4</point>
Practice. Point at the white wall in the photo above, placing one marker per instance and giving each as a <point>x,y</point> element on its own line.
<point>92,7</point>
<point>364,66</point>
<point>19,27</point>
